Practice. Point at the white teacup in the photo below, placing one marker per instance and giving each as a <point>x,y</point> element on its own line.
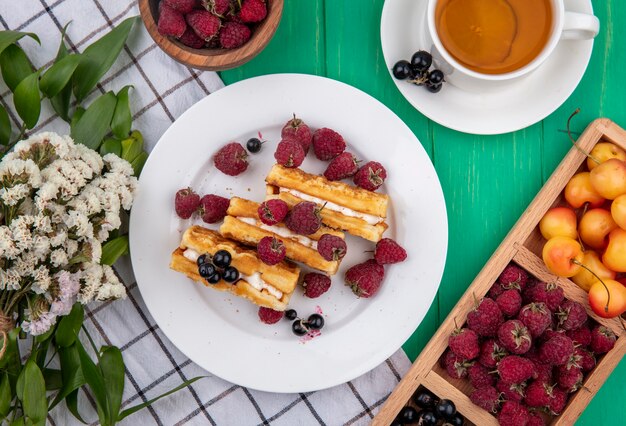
<point>566,25</point>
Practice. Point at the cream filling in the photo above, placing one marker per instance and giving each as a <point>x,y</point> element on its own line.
<point>254,280</point>
<point>369,218</point>
<point>283,232</point>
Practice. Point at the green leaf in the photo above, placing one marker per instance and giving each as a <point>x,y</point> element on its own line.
<point>69,326</point>
<point>111,146</point>
<point>133,410</point>
<point>139,162</point>
<point>95,381</point>
<point>72,404</point>
<point>15,66</point>
<point>71,373</point>
<point>122,118</point>
<point>9,37</point>
<point>5,396</point>
<point>33,393</point>
<point>78,114</point>
<point>131,148</point>
<point>58,75</point>
<point>61,102</point>
<point>11,361</point>
<point>53,379</point>
<point>27,100</point>
<point>112,367</point>
<point>46,336</point>
<point>114,249</point>
<point>98,58</point>
<point>18,422</point>
<point>5,126</point>
<point>95,123</point>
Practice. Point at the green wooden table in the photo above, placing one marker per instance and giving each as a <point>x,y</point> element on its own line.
<point>487,180</point>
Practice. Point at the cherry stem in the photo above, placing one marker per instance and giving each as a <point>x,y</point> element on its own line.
<point>608,299</point>
<point>569,134</point>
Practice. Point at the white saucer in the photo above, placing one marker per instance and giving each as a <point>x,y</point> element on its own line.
<point>513,107</point>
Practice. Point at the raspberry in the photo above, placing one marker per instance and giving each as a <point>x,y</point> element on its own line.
<point>297,130</point>
<point>585,359</point>
<point>270,316</point>
<point>569,377</point>
<point>558,401</point>
<point>515,337</point>
<point>538,394</point>
<point>365,278</point>
<point>186,203</point>
<point>191,39</point>
<point>304,218</point>
<point>515,369</point>
<point>479,376</point>
<point>213,208</point>
<point>486,398</point>
<point>509,302</point>
<point>454,365</point>
<point>602,340</point>
<point>271,250</point>
<point>495,290</point>
<point>544,372</point>
<point>253,11</point>
<point>491,353</point>
<point>234,34</point>
<point>327,144</point>
<point>464,343</point>
<point>513,277</point>
<point>549,293</point>
<point>535,420</point>
<point>513,414</point>
<point>331,247</point>
<point>231,159</point>
<point>580,336</point>
<point>511,391</point>
<point>315,284</point>
<point>536,317</point>
<point>217,7</point>
<point>182,6</point>
<point>486,318</point>
<point>370,176</point>
<point>571,315</point>
<point>342,166</point>
<point>171,22</point>
<point>289,153</point>
<point>388,251</point>
<point>272,211</point>
<point>556,350</point>
<point>204,24</point>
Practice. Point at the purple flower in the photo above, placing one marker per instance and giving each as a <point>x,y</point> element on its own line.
<point>40,324</point>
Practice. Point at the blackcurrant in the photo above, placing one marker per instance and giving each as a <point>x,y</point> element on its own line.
<point>222,259</point>
<point>401,70</point>
<point>206,270</point>
<point>427,418</point>
<point>215,278</point>
<point>457,420</point>
<point>298,328</point>
<point>408,415</point>
<point>424,399</point>
<point>315,321</point>
<point>421,76</point>
<point>445,409</point>
<point>254,145</point>
<point>231,274</point>
<point>433,88</point>
<point>203,258</point>
<point>421,60</point>
<point>291,314</point>
<point>435,77</point>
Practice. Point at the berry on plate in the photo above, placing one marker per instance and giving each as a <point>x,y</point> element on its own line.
<point>327,144</point>
<point>370,176</point>
<point>365,278</point>
<point>304,218</point>
<point>272,211</point>
<point>213,208</point>
<point>298,130</point>
<point>186,202</point>
<point>289,153</point>
<point>388,251</point>
<point>342,166</point>
<point>315,284</point>
<point>271,250</point>
<point>331,247</point>
<point>231,159</point>
<point>270,316</point>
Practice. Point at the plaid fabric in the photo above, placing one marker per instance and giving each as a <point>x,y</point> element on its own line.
<point>164,89</point>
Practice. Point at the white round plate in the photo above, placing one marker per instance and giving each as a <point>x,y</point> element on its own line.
<point>512,107</point>
<point>221,332</point>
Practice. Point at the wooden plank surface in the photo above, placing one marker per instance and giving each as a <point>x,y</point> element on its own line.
<point>487,181</point>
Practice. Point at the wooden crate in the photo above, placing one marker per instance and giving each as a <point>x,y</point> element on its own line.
<point>523,245</point>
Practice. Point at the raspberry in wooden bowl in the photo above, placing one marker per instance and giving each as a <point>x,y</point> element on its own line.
<point>211,34</point>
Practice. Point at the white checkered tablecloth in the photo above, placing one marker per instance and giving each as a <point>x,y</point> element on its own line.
<point>163,90</point>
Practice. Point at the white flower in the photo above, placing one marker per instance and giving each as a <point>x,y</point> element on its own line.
<point>42,224</point>
<point>61,307</point>
<point>8,248</point>
<point>9,279</point>
<point>118,165</point>
<point>41,280</point>
<point>13,195</point>
<point>90,157</point>
<point>20,228</point>
<point>71,247</point>
<point>26,171</point>
<point>79,224</point>
<point>58,239</point>
<point>112,288</point>
<point>40,324</point>
<point>25,264</point>
<point>40,247</point>
<point>68,284</point>
<point>58,258</point>
<point>92,279</point>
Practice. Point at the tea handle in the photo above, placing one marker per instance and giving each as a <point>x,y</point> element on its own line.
<point>579,26</point>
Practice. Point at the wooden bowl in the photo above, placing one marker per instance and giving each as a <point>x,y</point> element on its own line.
<point>213,59</point>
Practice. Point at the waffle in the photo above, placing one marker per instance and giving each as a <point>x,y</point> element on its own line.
<point>281,278</point>
<point>242,224</point>
<point>355,210</point>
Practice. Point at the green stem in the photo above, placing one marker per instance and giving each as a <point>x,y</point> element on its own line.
<point>608,293</point>
<point>569,134</point>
